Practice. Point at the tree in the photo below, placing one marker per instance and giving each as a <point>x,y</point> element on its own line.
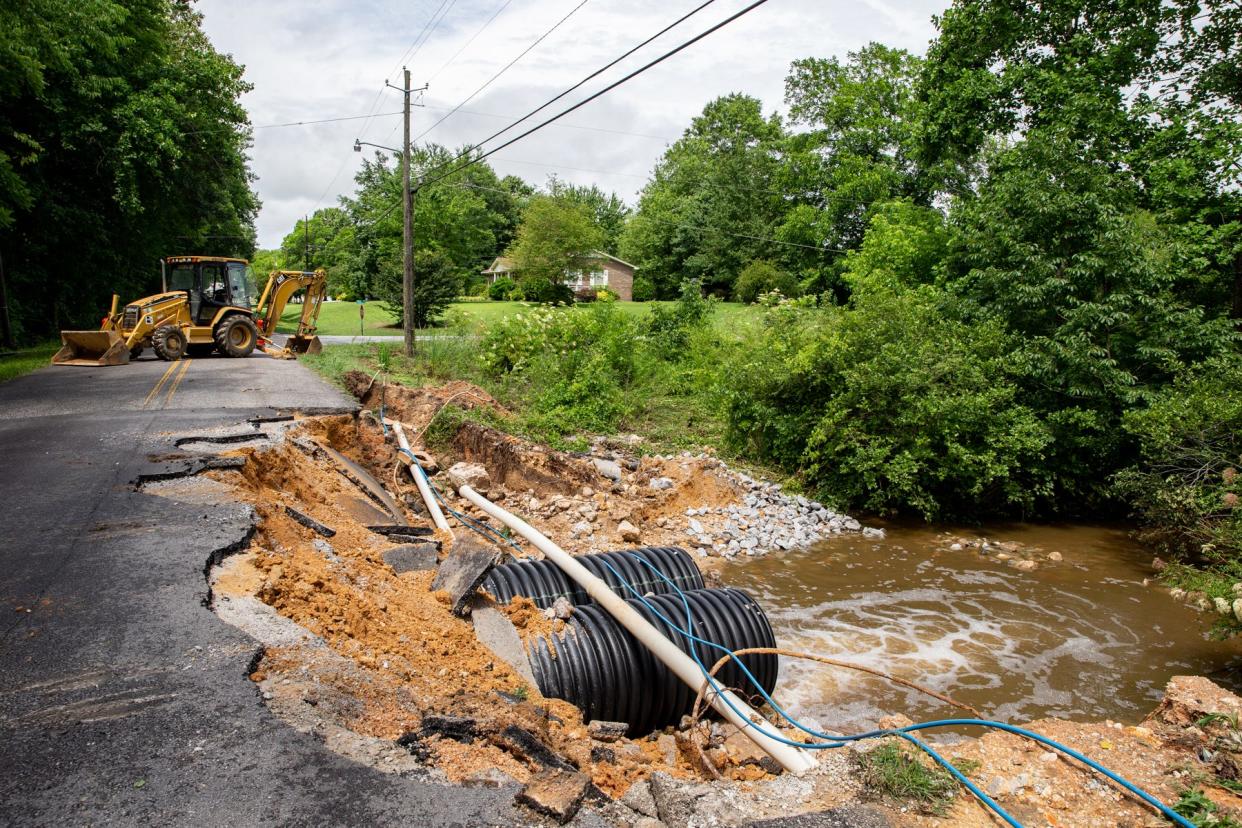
<point>327,240</point>
<point>122,139</point>
<point>860,150</point>
<point>556,238</point>
<point>461,216</point>
<point>1055,248</point>
<point>711,202</point>
<point>607,209</point>
<point>436,284</point>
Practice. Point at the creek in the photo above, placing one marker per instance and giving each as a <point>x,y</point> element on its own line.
<point>1082,638</point>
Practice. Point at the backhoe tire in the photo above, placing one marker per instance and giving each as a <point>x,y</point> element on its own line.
<point>168,342</point>
<point>135,352</point>
<point>237,336</point>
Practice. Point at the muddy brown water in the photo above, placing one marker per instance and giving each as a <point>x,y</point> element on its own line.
<point>1081,639</point>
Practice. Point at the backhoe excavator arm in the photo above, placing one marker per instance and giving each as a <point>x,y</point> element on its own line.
<point>281,285</point>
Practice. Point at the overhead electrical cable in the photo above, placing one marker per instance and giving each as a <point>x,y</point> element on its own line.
<point>506,68</point>
<point>681,47</point>
<point>473,37</point>
<point>585,80</point>
<point>298,123</point>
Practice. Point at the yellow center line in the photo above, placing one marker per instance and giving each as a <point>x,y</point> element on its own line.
<point>172,389</point>
<point>167,373</point>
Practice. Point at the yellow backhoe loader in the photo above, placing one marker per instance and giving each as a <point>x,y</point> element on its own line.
<point>207,305</point>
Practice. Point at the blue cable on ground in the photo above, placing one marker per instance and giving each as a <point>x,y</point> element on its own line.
<point>904,733</point>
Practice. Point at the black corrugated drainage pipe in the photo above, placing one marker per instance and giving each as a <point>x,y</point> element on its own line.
<point>596,665</point>
<point>543,581</point>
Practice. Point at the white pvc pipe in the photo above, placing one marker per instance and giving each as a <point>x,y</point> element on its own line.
<point>792,759</point>
<point>424,488</point>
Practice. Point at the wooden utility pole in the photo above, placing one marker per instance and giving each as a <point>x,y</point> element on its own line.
<point>407,255</point>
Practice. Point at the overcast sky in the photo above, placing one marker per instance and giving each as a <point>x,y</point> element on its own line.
<point>314,59</point>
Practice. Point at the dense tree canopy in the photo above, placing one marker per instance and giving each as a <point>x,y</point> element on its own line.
<point>121,140</point>
<point>711,200</point>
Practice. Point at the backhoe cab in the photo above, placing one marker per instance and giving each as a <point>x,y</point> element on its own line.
<point>208,304</point>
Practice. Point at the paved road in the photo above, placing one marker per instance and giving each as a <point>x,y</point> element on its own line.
<point>122,699</point>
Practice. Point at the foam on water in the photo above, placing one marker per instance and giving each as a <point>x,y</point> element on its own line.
<point>1082,638</point>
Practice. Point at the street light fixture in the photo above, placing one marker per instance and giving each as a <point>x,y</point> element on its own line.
<point>358,145</point>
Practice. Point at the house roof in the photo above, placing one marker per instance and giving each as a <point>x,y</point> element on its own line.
<point>500,264</point>
<point>601,254</point>
<point>503,264</point>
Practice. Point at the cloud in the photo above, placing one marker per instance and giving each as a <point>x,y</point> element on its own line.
<point>310,60</point>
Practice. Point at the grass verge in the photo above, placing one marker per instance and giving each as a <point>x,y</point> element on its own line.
<point>341,318</point>
<point>17,363</point>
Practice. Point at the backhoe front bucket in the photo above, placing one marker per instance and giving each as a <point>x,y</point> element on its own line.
<point>91,348</point>
<point>304,345</point>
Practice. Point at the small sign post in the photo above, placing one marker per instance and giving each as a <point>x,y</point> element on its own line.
<point>362,314</point>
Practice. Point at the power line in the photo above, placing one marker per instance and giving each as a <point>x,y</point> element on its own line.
<point>506,68</point>
<point>466,45</point>
<point>560,126</point>
<point>430,30</point>
<point>413,48</point>
<point>605,90</point>
<point>588,78</point>
<point>297,123</point>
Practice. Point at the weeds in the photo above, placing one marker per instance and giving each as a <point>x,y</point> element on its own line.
<point>968,767</point>
<point>891,771</point>
<point>1196,807</point>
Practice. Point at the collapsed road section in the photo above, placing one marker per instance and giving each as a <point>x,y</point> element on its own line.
<point>350,588</point>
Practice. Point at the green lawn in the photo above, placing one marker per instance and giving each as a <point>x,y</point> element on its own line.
<point>341,318</point>
<point>16,363</point>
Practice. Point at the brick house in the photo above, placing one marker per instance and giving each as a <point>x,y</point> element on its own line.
<point>604,271</point>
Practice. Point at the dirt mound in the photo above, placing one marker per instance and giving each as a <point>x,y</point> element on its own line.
<point>519,465</point>
<point>410,661</point>
<point>416,407</point>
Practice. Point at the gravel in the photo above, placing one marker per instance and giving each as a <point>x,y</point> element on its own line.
<point>767,519</point>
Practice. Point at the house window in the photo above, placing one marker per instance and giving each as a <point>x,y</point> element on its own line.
<point>599,278</point>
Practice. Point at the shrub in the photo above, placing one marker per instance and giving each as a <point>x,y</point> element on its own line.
<point>1185,486</point>
<point>501,289</point>
<point>580,363</point>
<point>760,277</point>
<point>539,289</point>
<point>644,289</point>
<point>670,327</point>
<point>895,405</point>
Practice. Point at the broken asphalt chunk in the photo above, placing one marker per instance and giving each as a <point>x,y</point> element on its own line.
<point>309,522</point>
<point>458,728</point>
<point>464,570</point>
<point>400,529</point>
<point>556,793</point>
<point>526,746</point>
<point>412,557</point>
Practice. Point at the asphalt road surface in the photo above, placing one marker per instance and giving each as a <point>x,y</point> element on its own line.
<point>122,699</point>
